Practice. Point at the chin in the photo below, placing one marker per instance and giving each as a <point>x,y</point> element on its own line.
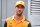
<point>19,13</point>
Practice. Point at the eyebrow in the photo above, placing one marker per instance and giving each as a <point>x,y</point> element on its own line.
<point>21,6</point>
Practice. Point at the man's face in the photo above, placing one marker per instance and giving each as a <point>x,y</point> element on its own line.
<point>19,9</point>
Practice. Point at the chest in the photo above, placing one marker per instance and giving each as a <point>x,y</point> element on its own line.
<point>14,24</point>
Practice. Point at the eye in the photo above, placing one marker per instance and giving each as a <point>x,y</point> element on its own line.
<point>22,7</point>
<point>17,6</point>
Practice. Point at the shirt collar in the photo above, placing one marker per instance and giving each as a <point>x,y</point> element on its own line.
<point>21,20</point>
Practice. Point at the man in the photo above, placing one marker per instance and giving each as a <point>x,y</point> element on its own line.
<point>18,20</point>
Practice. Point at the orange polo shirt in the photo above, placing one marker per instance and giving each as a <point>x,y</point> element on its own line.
<point>12,23</point>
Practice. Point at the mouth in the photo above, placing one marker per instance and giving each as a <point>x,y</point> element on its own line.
<point>19,11</point>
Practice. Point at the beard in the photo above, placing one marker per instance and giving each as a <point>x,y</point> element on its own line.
<point>19,14</point>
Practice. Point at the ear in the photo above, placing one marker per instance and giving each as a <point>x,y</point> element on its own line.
<point>24,9</point>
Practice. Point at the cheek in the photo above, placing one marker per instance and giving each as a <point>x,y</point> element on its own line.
<point>16,9</point>
<point>22,9</point>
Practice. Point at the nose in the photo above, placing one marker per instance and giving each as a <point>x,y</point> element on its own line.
<point>19,8</point>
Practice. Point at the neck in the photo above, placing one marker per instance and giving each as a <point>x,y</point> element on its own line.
<point>18,17</point>
<point>19,14</point>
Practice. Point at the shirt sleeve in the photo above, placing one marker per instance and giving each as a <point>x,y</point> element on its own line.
<point>29,25</point>
<point>5,24</point>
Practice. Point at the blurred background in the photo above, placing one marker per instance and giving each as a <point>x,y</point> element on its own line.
<point>31,12</point>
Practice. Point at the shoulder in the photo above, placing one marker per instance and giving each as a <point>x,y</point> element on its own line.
<point>8,18</point>
<point>27,21</point>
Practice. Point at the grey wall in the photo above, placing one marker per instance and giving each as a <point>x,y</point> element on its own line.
<point>7,10</point>
<point>0,12</point>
